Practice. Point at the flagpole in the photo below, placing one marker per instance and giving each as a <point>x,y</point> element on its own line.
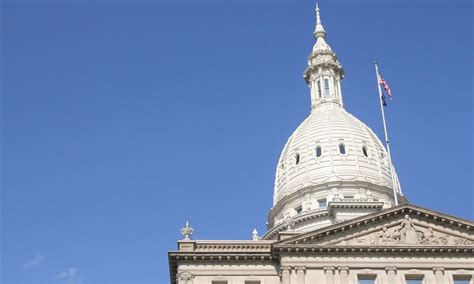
<point>386,135</point>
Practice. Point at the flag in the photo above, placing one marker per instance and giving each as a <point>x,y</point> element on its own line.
<point>383,100</point>
<point>386,88</point>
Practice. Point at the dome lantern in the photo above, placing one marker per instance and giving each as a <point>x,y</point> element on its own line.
<point>324,72</point>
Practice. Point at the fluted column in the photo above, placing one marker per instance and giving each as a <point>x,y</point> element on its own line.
<point>329,271</point>
<point>439,274</point>
<point>285,275</point>
<point>300,274</point>
<point>391,274</point>
<point>343,274</point>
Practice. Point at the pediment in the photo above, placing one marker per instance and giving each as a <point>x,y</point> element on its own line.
<point>405,225</point>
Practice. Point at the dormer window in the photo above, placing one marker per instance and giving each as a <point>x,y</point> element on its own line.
<point>326,87</point>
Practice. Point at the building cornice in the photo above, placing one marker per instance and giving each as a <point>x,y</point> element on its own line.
<point>436,217</point>
<point>416,249</point>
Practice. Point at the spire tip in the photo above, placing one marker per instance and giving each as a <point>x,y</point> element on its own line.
<point>318,17</point>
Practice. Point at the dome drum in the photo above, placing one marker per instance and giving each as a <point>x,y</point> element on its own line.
<point>318,198</point>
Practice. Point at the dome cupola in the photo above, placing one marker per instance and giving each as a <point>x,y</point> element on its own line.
<point>324,72</point>
<point>333,167</point>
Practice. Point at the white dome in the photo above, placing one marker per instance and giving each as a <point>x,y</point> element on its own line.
<point>333,167</point>
<point>330,127</point>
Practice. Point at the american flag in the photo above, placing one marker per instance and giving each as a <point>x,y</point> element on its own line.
<point>385,86</point>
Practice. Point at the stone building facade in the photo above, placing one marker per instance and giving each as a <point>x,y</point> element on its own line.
<point>339,215</point>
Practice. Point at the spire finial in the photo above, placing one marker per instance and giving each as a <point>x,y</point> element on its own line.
<point>318,17</point>
<point>187,231</point>
<point>319,31</point>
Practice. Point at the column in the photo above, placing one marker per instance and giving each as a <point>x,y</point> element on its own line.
<point>344,274</point>
<point>285,275</point>
<point>329,271</point>
<point>300,274</point>
<point>439,274</point>
<point>340,93</point>
<point>314,92</point>
<point>391,274</point>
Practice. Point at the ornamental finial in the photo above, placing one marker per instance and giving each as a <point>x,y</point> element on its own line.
<point>319,31</point>
<point>318,18</point>
<point>255,236</point>
<point>187,231</point>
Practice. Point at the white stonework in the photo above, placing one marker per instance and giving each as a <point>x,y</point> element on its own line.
<point>331,156</point>
<point>390,245</point>
<point>333,219</point>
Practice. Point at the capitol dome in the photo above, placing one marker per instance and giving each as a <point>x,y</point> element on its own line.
<point>331,145</point>
<point>333,167</point>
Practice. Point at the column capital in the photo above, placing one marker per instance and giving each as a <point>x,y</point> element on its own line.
<point>300,268</point>
<point>329,269</point>
<point>343,268</point>
<point>390,268</point>
<point>438,269</point>
<point>185,277</point>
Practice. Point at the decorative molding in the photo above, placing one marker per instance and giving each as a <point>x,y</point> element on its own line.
<point>185,276</point>
<point>407,233</point>
<point>187,232</point>
<point>300,268</point>
<point>288,223</point>
<point>219,257</point>
<point>329,269</point>
<point>233,246</point>
<point>408,250</point>
<point>423,237</point>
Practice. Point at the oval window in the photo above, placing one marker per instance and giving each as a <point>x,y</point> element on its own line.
<point>364,151</point>
<point>318,151</point>
<point>297,159</point>
<point>342,149</point>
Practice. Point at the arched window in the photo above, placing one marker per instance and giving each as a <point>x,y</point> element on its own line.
<point>319,151</point>
<point>297,159</point>
<point>326,87</point>
<point>342,149</point>
<point>319,88</point>
<point>364,151</point>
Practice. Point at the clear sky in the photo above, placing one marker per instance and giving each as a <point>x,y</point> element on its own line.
<point>123,119</point>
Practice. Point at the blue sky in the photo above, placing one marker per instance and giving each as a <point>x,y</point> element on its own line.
<point>122,120</point>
